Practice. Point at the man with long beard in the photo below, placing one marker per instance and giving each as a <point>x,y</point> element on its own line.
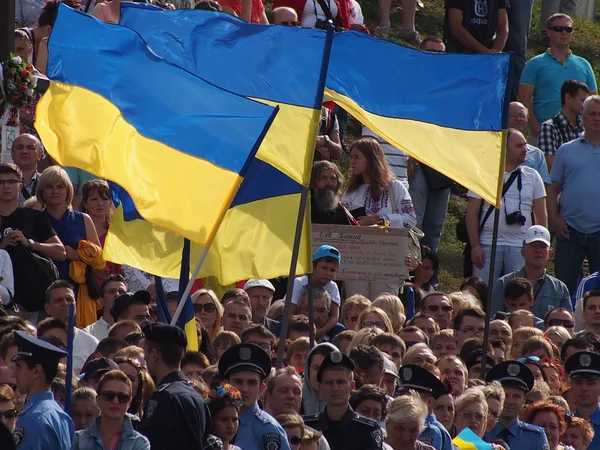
<point>326,186</point>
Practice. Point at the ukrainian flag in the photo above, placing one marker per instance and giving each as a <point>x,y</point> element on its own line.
<point>468,440</point>
<point>180,146</point>
<point>273,66</point>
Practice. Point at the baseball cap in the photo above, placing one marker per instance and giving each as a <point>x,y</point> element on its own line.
<point>537,233</point>
<point>327,251</point>
<point>259,283</point>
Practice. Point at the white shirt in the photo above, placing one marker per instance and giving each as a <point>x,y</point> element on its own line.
<point>355,12</point>
<point>84,344</point>
<point>6,272</point>
<point>395,203</point>
<point>301,282</point>
<point>98,329</point>
<point>308,15</point>
<point>513,235</point>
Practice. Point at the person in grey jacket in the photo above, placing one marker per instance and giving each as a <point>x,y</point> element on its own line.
<point>114,398</point>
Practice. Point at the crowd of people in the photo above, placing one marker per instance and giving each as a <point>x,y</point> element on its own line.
<point>395,365</point>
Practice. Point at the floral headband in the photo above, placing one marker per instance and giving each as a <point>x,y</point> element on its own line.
<point>224,392</point>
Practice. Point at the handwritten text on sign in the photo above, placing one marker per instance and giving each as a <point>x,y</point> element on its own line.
<point>368,253</point>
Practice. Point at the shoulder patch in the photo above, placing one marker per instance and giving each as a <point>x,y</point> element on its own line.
<point>151,409</point>
<point>377,436</point>
<point>271,441</point>
<point>18,435</point>
<point>530,427</point>
<point>162,387</point>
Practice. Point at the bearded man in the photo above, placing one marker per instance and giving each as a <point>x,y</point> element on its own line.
<point>326,189</point>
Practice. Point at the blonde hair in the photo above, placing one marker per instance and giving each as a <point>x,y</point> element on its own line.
<point>216,328</point>
<point>417,348</point>
<point>442,336</point>
<point>560,331</point>
<point>471,395</point>
<point>54,175</point>
<point>526,333</point>
<point>363,337</point>
<point>381,313</point>
<point>462,300</point>
<point>355,301</point>
<point>407,409</point>
<point>495,390</point>
<point>535,343</point>
<point>393,307</point>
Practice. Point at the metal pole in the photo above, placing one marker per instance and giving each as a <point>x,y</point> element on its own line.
<point>69,378</point>
<point>311,313</point>
<point>189,286</point>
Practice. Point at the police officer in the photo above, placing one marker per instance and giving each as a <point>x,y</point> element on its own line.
<point>516,379</point>
<point>584,370</point>
<point>42,424</point>
<point>342,427</point>
<point>246,366</point>
<point>176,416</point>
<point>429,388</point>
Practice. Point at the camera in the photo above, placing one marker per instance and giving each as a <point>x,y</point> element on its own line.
<point>321,24</point>
<point>515,218</point>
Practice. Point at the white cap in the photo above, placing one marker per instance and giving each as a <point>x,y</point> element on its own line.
<point>259,283</point>
<point>537,233</point>
<point>389,366</point>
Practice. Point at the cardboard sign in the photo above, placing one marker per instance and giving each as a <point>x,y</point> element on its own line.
<point>368,253</point>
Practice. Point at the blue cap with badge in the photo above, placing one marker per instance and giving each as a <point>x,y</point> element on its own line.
<point>421,380</point>
<point>583,365</point>
<point>327,251</point>
<point>335,359</point>
<point>512,374</point>
<point>36,350</point>
<point>245,357</point>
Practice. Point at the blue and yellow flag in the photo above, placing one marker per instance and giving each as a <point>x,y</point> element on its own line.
<point>177,144</point>
<point>264,63</point>
<point>468,440</point>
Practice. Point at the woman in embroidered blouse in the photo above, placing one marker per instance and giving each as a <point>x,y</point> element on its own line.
<point>372,186</point>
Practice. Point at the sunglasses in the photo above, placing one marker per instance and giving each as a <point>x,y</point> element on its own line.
<point>561,323</point>
<point>560,29</point>
<point>8,415</point>
<point>289,24</point>
<point>529,358</point>
<point>110,396</point>
<point>435,308</point>
<point>295,440</point>
<point>208,307</point>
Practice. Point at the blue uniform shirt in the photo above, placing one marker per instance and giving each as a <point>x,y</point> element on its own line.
<point>42,425</point>
<point>258,431</point>
<point>435,434</point>
<point>520,436</point>
<point>595,420</point>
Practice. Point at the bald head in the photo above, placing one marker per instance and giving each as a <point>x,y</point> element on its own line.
<point>284,16</point>
<point>517,116</point>
<point>26,152</point>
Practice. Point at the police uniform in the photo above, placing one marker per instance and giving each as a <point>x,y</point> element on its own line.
<point>176,415</point>
<point>518,435</point>
<point>257,429</point>
<point>42,424</point>
<point>353,431</point>
<point>586,365</point>
<point>422,380</point>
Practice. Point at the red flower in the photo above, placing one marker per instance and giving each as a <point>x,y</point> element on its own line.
<point>10,75</point>
<point>25,73</point>
<point>23,87</point>
<point>29,67</point>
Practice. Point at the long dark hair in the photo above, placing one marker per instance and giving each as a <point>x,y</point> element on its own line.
<point>379,171</point>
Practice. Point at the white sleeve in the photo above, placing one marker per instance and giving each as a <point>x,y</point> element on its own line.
<point>334,292</point>
<point>297,292</point>
<point>405,216</point>
<point>8,280</point>
<point>539,191</point>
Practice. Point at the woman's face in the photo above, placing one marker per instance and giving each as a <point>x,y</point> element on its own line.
<point>132,374</point>
<point>55,194</point>
<point>402,436</point>
<point>207,313</point>
<point>516,347</point>
<point>443,408</point>
<point>549,422</point>
<point>573,436</point>
<point>359,164</point>
<point>472,416</point>
<point>97,205</point>
<point>225,423</point>
<point>553,379</point>
<point>294,436</point>
<point>424,271</point>
<point>9,414</point>
<point>454,374</point>
<point>114,399</point>
<point>494,411</point>
<point>374,320</point>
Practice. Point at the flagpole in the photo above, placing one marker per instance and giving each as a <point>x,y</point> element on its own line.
<point>302,209</point>
<point>189,286</point>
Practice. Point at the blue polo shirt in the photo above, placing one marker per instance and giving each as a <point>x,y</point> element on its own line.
<point>536,160</point>
<point>546,74</point>
<point>576,169</point>
<point>595,421</point>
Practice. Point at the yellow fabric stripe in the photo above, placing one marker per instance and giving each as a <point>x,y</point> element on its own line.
<point>80,128</point>
<point>463,445</point>
<point>472,158</point>
<point>192,336</point>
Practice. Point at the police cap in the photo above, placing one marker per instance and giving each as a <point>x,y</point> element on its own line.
<point>162,333</point>
<point>583,364</point>
<point>334,359</point>
<point>245,357</point>
<point>36,350</point>
<point>420,379</point>
<point>512,374</point>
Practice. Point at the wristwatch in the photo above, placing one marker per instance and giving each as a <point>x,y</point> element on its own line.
<point>31,242</point>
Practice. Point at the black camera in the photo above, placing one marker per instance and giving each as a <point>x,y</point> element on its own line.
<point>515,218</point>
<point>321,24</point>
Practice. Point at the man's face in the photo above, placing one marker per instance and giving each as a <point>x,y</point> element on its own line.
<point>523,302</point>
<point>372,409</point>
<point>394,352</point>
<point>335,386</point>
<point>286,398</point>
<point>58,304</point>
<point>26,152</point>
<point>500,331</point>
<point>470,327</point>
<point>25,376</point>
<point>536,254</point>
<point>10,186</point>
<point>286,16</point>
<point>454,373</point>
<point>327,180</point>
<point>575,102</point>
<point>513,403</point>
<point>263,342</point>
<point>249,385</point>
<point>111,291</point>
<point>236,318</point>
<point>591,313</point>
<point>560,38</point>
<point>517,116</point>
<point>440,308</point>
<point>320,309</point>
<point>427,324</point>
<point>193,371</point>
<point>138,312</point>
<point>324,271</point>
<point>368,376</point>
<point>516,148</point>
<point>562,319</point>
<point>591,118</point>
<point>351,319</point>
<point>445,347</point>
<point>586,391</point>
<point>260,299</point>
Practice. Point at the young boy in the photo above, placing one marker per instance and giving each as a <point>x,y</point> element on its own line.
<point>518,295</point>
<point>326,262</point>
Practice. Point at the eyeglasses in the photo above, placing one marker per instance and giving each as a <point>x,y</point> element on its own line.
<point>208,307</point>
<point>436,308</point>
<point>9,182</point>
<point>110,396</point>
<point>561,323</point>
<point>560,29</point>
<point>373,325</point>
<point>8,415</point>
<point>289,24</point>
<point>478,417</point>
<point>295,440</point>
